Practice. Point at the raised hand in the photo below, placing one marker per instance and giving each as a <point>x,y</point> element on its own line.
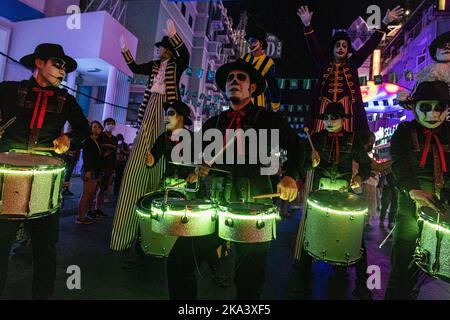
<point>305,15</point>
<point>123,43</point>
<point>393,15</point>
<point>170,28</point>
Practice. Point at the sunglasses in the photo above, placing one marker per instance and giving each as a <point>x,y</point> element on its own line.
<point>438,107</point>
<point>170,113</point>
<point>331,117</point>
<point>444,45</point>
<point>58,63</point>
<point>239,76</point>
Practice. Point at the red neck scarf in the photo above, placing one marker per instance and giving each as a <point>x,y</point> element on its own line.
<point>236,117</point>
<point>43,95</point>
<point>430,134</point>
<point>335,142</point>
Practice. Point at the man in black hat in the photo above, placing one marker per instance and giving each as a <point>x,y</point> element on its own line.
<point>332,160</point>
<point>240,82</point>
<point>419,151</point>
<point>338,79</point>
<point>256,38</point>
<point>163,86</point>
<point>42,109</point>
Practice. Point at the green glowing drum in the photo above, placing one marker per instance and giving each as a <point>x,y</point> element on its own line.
<point>152,243</point>
<point>433,248</point>
<point>30,185</point>
<point>334,226</point>
<point>248,222</point>
<point>183,218</point>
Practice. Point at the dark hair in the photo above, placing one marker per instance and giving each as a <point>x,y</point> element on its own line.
<point>97,122</point>
<point>108,120</point>
<point>120,137</point>
<point>43,59</point>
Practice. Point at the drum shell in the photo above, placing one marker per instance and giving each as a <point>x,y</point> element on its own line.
<point>333,237</point>
<point>30,185</point>
<point>152,243</point>
<point>243,227</point>
<point>168,221</point>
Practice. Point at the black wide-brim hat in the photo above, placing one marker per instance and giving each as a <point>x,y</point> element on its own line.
<point>45,51</point>
<point>255,75</point>
<point>341,35</point>
<point>334,108</point>
<point>445,37</point>
<point>165,43</point>
<point>258,33</point>
<point>182,109</point>
<point>428,90</point>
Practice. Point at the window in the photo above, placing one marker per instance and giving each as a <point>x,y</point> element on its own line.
<point>183,9</point>
<point>191,21</point>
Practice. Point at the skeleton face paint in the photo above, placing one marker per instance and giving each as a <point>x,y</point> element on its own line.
<point>333,123</point>
<point>443,52</point>
<point>431,113</point>
<point>340,49</point>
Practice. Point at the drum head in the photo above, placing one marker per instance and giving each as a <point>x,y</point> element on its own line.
<point>430,215</point>
<point>248,208</point>
<point>24,160</point>
<point>337,200</point>
<point>144,204</point>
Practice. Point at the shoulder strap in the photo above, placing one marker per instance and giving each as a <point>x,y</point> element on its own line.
<point>22,92</point>
<point>61,98</point>
<point>414,139</point>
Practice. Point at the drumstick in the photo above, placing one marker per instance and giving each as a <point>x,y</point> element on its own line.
<point>44,148</point>
<point>387,237</point>
<point>265,196</point>
<point>309,139</point>
<point>6,125</point>
<point>176,184</point>
<point>193,165</point>
<point>229,143</point>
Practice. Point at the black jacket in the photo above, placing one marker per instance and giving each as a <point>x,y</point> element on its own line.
<point>22,105</point>
<point>92,156</point>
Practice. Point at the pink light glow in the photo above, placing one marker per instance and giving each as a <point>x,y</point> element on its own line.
<point>391,88</point>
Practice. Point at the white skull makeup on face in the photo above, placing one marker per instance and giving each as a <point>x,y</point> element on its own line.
<point>431,113</point>
<point>333,123</point>
<point>443,52</point>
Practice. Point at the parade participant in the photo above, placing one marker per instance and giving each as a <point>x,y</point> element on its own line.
<point>419,151</point>
<point>41,109</point>
<point>176,118</point>
<point>165,75</point>
<point>108,144</point>
<point>266,66</point>
<point>335,151</point>
<point>123,151</point>
<point>240,82</point>
<point>338,78</point>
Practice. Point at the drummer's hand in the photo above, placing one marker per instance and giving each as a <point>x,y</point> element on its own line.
<point>87,176</point>
<point>356,182</point>
<point>424,199</point>
<point>203,170</point>
<point>61,144</point>
<point>192,178</point>
<point>287,188</point>
<point>149,159</point>
<point>315,158</point>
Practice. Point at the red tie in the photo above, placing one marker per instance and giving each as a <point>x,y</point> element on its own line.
<point>429,134</point>
<point>236,116</point>
<point>46,94</point>
<point>335,141</point>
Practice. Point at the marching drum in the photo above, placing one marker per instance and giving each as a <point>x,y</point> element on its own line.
<point>29,185</point>
<point>433,247</point>
<point>248,222</point>
<point>183,218</point>
<point>334,226</point>
<point>152,243</point>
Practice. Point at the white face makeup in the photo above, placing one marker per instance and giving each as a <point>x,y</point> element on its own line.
<point>53,71</point>
<point>172,119</point>
<point>238,86</point>
<point>431,113</point>
<point>443,52</point>
<point>340,49</point>
<point>333,123</point>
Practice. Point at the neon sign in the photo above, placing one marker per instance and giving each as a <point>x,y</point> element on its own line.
<point>385,132</point>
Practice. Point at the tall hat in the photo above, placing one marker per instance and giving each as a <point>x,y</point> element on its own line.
<point>443,38</point>
<point>334,108</point>
<point>341,35</point>
<point>45,51</point>
<point>258,33</point>
<point>255,76</point>
<point>427,90</point>
<point>182,109</point>
<point>165,43</point>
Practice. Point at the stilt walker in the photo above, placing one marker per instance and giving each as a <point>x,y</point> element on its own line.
<point>138,179</point>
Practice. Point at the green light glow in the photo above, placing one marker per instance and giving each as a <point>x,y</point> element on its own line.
<point>233,216</point>
<point>334,211</point>
<point>157,211</point>
<point>30,171</point>
<point>436,227</point>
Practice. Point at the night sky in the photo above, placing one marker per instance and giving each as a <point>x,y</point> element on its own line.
<point>280,18</point>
